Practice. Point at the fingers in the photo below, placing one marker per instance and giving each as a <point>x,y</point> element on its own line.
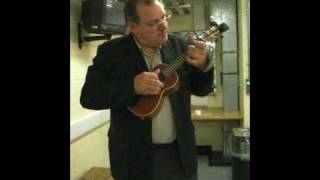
<point>153,90</point>
<point>191,40</point>
<point>198,44</point>
<point>157,71</point>
<point>196,57</point>
<point>193,61</point>
<point>195,52</point>
<point>153,87</point>
<point>148,83</point>
<point>155,83</point>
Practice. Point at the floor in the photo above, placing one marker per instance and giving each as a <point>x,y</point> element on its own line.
<point>206,172</point>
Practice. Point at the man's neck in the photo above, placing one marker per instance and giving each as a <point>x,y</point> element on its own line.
<point>149,50</point>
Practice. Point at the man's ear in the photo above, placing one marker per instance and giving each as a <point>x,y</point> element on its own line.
<point>131,26</point>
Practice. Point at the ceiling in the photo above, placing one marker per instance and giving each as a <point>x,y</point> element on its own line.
<point>176,7</point>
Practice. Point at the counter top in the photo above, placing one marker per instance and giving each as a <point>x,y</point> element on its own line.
<point>209,114</point>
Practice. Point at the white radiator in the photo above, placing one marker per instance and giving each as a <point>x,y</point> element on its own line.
<point>84,125</point>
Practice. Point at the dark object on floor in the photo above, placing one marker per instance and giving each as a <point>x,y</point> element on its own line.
<point>215,158</point>
<point>240,169</point>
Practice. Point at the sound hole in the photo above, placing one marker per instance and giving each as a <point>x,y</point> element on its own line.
<point>162,77</point>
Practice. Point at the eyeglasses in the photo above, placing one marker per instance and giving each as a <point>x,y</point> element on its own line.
<point>155,24</point>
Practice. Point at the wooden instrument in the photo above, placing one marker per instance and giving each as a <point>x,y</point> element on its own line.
<point>149,106</point>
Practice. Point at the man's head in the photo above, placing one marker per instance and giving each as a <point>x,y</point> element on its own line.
<point>146,19</point>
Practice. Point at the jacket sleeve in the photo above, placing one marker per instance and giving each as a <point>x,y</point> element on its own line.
<point>202,81</point>
<point>102,89</point>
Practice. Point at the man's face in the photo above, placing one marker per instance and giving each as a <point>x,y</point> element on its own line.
<point>152,29</point>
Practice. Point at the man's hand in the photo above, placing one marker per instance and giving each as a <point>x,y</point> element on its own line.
<point>148,83</point>
<point>196,53</point>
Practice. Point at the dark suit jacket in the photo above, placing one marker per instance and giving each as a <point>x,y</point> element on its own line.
<point>109,84</point>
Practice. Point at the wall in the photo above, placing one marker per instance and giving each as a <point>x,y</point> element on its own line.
<point>181,23</point>
<point>243,59</point>
<point>91,149</point>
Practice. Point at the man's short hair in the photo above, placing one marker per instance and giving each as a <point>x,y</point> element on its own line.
<point>130,9</point>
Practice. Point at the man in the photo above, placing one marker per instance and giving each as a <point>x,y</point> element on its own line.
<point>162,148</point>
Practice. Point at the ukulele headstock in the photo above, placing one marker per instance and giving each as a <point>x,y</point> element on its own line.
<point>213,33</point>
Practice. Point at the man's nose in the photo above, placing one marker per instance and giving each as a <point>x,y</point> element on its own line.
<point>163,25</point>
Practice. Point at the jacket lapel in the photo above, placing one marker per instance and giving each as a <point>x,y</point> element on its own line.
<point>136,56</point>
<point>169,56</point>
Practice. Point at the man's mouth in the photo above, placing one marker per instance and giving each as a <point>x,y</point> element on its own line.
<point>163,34</point>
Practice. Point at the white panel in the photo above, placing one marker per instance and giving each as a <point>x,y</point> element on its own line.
<point>199,101</point>
<point>82,126</point>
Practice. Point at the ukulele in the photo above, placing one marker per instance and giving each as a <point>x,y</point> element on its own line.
<point>149,106</point>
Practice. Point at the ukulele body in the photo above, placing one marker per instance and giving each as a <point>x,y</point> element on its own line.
<point>149,106</point>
